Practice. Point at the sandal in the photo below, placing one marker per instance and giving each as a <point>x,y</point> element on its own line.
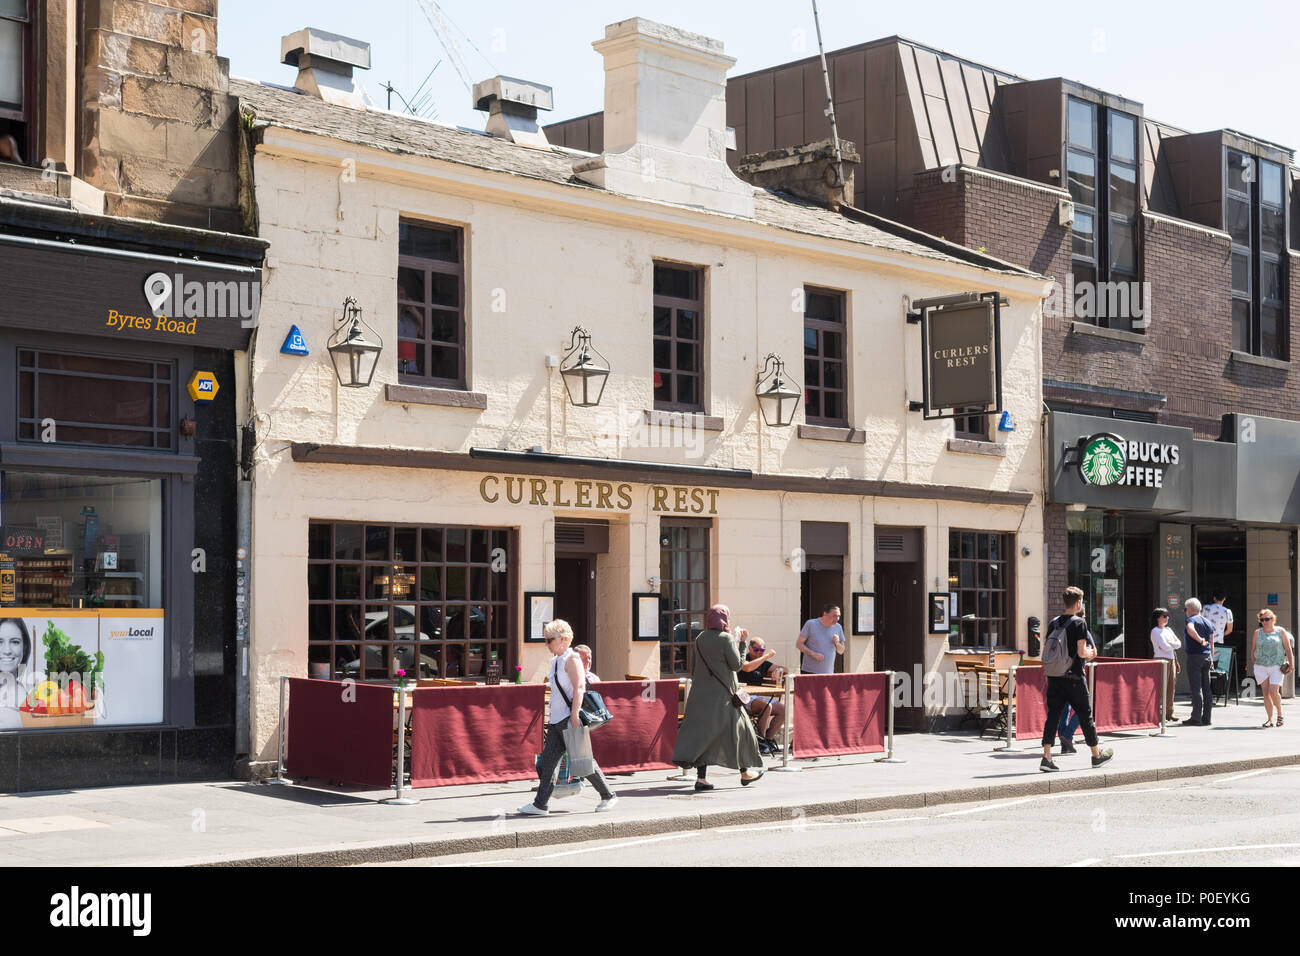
<point>1267,723</point>
<point>1279,720</point>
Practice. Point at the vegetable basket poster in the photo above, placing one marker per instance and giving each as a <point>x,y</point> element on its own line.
<point>86,668</point>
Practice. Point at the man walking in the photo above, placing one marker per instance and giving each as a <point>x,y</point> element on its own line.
<point>1069,644</point>
<point>1200,660</point>
<point>821,638</point>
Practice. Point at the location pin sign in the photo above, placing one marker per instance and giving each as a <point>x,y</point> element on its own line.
<point>158,289</point>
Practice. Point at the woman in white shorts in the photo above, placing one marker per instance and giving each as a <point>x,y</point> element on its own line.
<point>1271,657</point>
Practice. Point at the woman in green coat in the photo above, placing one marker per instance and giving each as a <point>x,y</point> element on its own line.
<point>715,731</point>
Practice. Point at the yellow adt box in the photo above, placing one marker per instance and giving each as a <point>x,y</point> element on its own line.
<point>203,387</point>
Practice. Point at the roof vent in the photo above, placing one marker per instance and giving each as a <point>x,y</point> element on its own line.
<point>512,107</point>
<point>325,62</point>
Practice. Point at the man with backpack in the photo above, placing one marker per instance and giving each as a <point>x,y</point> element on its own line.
<point>1069,644</point>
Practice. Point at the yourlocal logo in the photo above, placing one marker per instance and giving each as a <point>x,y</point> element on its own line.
<point>76,909</point>
<point>128,633</point>
<point>173,298</point>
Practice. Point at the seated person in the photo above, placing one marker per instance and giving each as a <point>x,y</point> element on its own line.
<point>584,652</point>
<point>758,669</point>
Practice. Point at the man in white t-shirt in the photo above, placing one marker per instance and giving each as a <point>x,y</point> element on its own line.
<point>1218,615</point>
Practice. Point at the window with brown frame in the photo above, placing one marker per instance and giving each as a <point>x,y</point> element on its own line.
<point>379,596</point>
<point>979,572</point>
<point>16,68</point>
<point>683,592</point>
<point>678,338</point>
<point>430,305</point>
<point>973,425</point>
<point>824,358</point>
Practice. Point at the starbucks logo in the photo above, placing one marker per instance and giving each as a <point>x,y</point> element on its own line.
<point>1103,460</point>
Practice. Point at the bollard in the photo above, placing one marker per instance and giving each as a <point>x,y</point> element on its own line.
<point>1010,745</point>
<point>400,800</point>
<point>685,773</point>
<point>889,722</point>
<point>280,745</point>
<point>787,745</point>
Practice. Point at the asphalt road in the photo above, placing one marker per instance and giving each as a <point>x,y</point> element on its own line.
<point>1248,819</point>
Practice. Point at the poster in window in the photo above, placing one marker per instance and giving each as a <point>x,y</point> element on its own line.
<point>52,525</point>
<point>1110,601</point>
<point>938,612</point>
<point>540,607</point>
<point>645,616</point>
<point>864,614</point>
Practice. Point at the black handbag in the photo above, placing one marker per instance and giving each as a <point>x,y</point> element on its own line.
<point>593,713</point>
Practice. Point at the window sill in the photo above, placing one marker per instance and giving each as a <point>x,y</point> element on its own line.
<point>708,423</point>
<point>967,446</point>
<point>840,433</point>
<point>428,395</point>
<point>1118,335</point>
<point>1245,358</point>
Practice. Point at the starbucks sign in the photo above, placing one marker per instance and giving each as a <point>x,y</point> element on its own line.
<point>1102,461</point>
<point>1107,459</point>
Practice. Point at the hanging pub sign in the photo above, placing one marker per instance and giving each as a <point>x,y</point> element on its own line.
<point>961,346</point>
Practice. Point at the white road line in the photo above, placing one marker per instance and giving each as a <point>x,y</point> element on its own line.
<point>619,846</point>
<point>443,866</point>
<point>995,806</point>
<point>796,824</point>
<point>1240,776</point>
<point>1088,862</point>
<point>1210,849</point>
<point>1100,792</point>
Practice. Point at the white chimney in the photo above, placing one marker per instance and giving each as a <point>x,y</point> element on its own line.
<point>666,119</point>
<point>512,107</point>
<point>325,62</point>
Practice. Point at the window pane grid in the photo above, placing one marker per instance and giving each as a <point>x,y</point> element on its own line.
<point>685,594</point>
<point>825,371</point>
<point>979,574</point>
<point>430,304</point>
<point>678,339</point>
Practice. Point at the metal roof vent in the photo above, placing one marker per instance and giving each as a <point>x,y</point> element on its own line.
<point>325,62</point>
<point>512,107</point>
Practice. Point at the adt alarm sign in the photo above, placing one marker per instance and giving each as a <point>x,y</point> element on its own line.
<point>203,387</point>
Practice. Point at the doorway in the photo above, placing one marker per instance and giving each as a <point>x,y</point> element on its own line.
<point>575,594</point>
<point>822,583</point>
<point>1221,563</point>
<point>900,615</point>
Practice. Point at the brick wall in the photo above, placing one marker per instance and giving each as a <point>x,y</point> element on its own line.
<point>1054,543</point>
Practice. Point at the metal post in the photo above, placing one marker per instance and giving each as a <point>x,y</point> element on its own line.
<point>1011,712</point>
<point>889,722</point>
<point>400,800</point>
<point>280,745</point>
<point>787,745</point>
<point>685,773</point>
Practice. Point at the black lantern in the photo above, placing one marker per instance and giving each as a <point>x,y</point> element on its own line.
<point>354,348</point>
<point>585,370</point>
<point>777,398</point>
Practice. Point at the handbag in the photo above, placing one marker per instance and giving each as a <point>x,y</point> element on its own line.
<point>577,745</point>
<point>592,713</point>
<point>739,699</point>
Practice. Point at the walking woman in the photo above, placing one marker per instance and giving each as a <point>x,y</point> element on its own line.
<point>567,680</point>
<point>716,731</point>
<point>1270,653</point>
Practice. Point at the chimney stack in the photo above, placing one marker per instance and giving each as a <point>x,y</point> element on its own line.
<point>666,119</point>
<point>325,62</point>
<point>808,171</point>
<point>512,107</point>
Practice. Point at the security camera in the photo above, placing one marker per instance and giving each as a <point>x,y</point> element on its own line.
<point>1026,551</point>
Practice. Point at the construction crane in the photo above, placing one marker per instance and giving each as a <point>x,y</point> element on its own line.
<point>443,27</point>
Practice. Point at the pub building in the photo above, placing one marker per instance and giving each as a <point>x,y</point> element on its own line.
<point>444,462</point>
<point>126,294</point>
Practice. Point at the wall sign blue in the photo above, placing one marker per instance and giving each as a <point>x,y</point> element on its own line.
<point>294,343</point>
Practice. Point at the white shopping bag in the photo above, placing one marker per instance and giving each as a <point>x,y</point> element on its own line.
<point>577,741</point>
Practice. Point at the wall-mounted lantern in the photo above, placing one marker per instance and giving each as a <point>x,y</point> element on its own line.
<point>354,348</point>
<point>584,370</point>
<point>777,398</point>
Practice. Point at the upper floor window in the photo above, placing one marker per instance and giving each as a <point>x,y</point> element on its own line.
<point>430,305</point>
<point>15,85</point>
<point>1254,215</point>
<point>973,425</point>
<point>1101,163</point>
<point>824,358</point>
<point>678,338</point>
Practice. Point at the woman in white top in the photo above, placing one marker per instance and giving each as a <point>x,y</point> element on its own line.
<point>568,680</point>
<point>1164,644</point>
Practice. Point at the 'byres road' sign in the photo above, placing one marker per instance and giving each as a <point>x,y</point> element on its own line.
<point>203,387</point>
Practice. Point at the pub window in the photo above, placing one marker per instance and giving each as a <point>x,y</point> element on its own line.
<point>678,338</point>
<point>1254,215</point>
<point>16,69</point>
<point>979,573</point>
<point>90,400</point>
<point>824,358</point>
<point>971,423</point>
<point>684,592</point>
<point>424,599</point>
<point>430,305</point>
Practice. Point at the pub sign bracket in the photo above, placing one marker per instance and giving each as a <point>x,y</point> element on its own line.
<point>961,354</point>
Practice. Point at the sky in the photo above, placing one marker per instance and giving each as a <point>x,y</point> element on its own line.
<point>1197,65</point>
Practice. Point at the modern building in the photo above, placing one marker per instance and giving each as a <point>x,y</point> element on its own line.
<point>468,489</point>
<point>1171,328</point>
<point>127,289</point>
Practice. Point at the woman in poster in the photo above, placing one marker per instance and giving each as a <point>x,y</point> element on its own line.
<point>15,652</point>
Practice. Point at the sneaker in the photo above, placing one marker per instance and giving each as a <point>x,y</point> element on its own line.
<point>1102,757</point>
<point>1047,766</point>
<point>609,803</point>
<point>532,810</point>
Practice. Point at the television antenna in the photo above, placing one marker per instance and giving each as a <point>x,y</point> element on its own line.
<point>421,103</point>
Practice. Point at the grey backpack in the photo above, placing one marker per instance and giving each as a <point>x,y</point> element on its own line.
<point>1056,652</point>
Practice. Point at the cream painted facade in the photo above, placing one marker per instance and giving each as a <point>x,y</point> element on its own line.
<point>541,257</point>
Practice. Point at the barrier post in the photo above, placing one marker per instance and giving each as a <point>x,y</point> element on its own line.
<point>1165,677</point>
<point>889,722</point>
<point>280,744</point>
<point>400,800</point>
<point>685,683</point>
<point>787,745</point>
<point>1010,745</point>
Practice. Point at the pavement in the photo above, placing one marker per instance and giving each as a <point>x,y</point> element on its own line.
<point>309,824</point>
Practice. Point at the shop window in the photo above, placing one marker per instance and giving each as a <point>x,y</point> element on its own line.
<point>678,338</point>
<point>684,591</point>
<point>91,400</point>
<point>430,305</point>
<point>979,573</point>
<point>16,73</point>
<point>825,358</point>
<point>434,601</point>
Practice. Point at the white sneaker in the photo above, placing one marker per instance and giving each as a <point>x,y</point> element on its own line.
<point>608,804</point>
<point>532,810</point>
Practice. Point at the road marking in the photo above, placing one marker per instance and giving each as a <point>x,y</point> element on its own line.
<point>1100,791</point>
<point>619,846</point>
<point>1211,849</point>
<point>996,806</point>
<point>51,824</point>
<point>1240,776</point>
<point>1088,862</point>
<point>443,866</point>
<point>796,824</point>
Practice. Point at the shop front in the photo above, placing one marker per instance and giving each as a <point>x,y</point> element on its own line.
<point>117,492</point>
<point>1152,515</point>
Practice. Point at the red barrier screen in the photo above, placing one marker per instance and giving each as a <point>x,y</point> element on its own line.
<point>643,730</point>
<point>341,732</point>
<point>1031,702</point>
<point>1127,695</point>
<point>475,734</point>
<point>840,714</point>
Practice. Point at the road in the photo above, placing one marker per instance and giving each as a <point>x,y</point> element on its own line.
<point>1249,819</point>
